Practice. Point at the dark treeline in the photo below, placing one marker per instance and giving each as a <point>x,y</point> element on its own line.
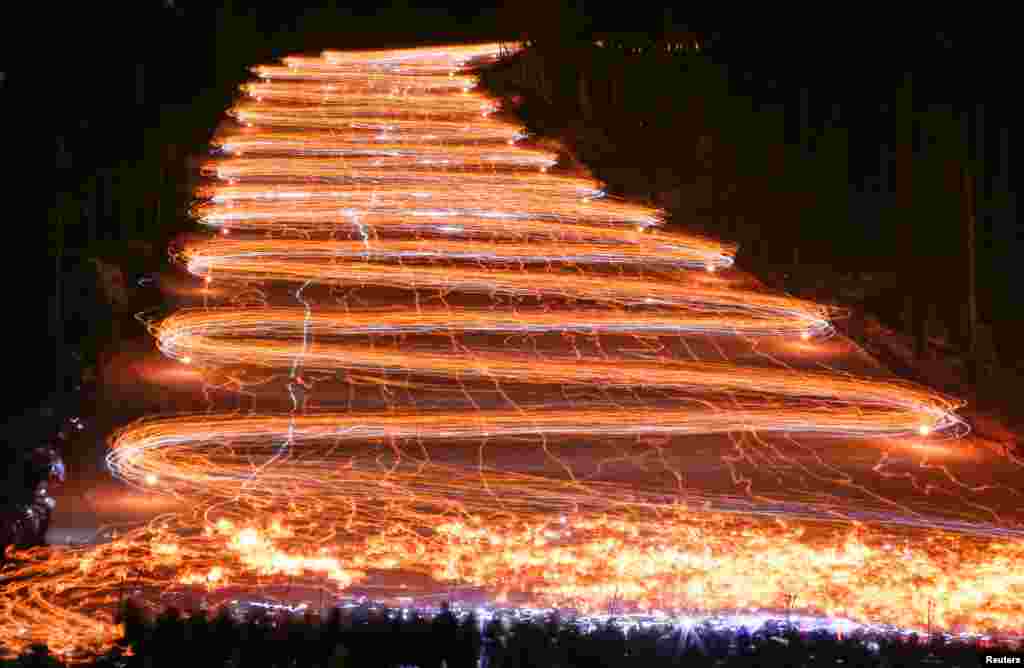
<point>847,145</point>
<point>375,638</point>
<point>117,105</point>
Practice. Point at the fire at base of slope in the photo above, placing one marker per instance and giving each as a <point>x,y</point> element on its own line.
<point>664,559</point>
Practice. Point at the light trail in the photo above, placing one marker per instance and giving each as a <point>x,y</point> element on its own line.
<point>274,338</point>
<point>386,170</point>
<point>190,331</point>
<point>338,458</point>
<point>588,214</point>
<point>359,81</point>
<point>433,93</point>
<point>291,259</point>
<point>383,154</point>
<point>473,128</point>
<point>265,139</point>
<point>360,164</point>
<point>399,117</point>
<point>290,99</point>
<point>320,169</point>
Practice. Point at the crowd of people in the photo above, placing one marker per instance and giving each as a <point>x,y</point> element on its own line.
<point>381,638</point>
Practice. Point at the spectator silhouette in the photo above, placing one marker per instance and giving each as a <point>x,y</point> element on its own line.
<point>389,643</point>
<point>443,631</point>
<point>168,639</point>
<point>467,643</point>
<point>494,644</point>
<point>224,637</point>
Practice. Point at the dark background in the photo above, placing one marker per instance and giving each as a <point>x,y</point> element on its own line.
<point>105,107</point>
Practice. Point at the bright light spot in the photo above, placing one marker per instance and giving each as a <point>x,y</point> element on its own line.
<point>248,538</point>
<point>711,268</point>
<point>215,574</point>
<point>186,359</point>
<point>151,479</point>
<point>924,430</point>
<point>805,336</point>
<point>209,279</point>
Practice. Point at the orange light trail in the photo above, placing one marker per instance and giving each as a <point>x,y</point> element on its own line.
<point>382,155</point>
<point>494,445</point>
<point>583,213</point>
<point>259,337</point>
<point>473,128</point>
<point>289,99</point>
<point>190,330</point>
<point>325,261</point>
<point>324,455</point>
